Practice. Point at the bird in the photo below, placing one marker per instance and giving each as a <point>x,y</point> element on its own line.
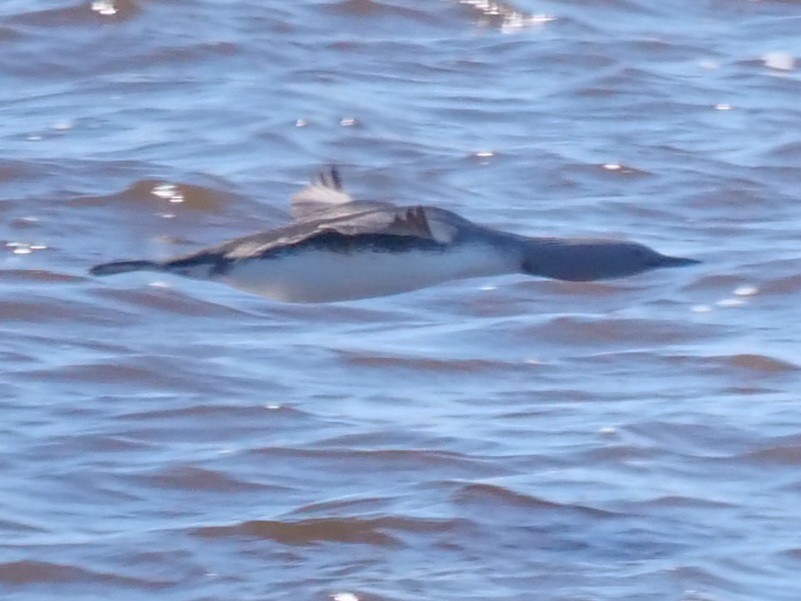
<point>339,249</point>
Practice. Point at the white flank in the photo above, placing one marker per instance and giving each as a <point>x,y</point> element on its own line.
<point>311,276</point>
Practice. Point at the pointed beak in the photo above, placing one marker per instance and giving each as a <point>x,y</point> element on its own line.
<point>666,261</point>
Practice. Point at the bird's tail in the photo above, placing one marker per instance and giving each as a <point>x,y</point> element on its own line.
<point>124,267</point>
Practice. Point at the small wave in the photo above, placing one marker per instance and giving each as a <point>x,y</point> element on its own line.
<point>680,502</point>
<point>429,364</point>
<point>759,363</point>
<point>583,331</point>
<point>495,496</point>
<point>790,152</point>
<point>788,454</point>
<point>193,478</point>
<point>37,276</point>
<point>375,8</point>
<point>31,310</point>
<point>782,285</point>
<point>165,195</point>
<point>576,289</point>
<point>620,453</point>
<point>504,15</point>
<point>576,171</point>
<point>38,572</point>
<point>108,373</point>
<point>213,411</point>
<point>715,283</point>
<point>370,531</point>
<point>396,460</point>
<point>7,34</point>
<point>14,526</point>
<point>164,372</point>
<point>107,443</point>
<point>338,505</point>
<point>160,298</point>
<point>83,13</point>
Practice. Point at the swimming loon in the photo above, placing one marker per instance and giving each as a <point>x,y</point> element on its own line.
<point>341,249</point>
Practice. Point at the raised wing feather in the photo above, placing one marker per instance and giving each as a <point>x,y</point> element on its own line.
<point>325,198</point>
<point>323,192</point>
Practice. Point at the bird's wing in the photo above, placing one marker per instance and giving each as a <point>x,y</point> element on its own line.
<point>323,208</point>
<point>422,223</point>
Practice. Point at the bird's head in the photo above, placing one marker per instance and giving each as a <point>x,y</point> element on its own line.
<point>581,260</point>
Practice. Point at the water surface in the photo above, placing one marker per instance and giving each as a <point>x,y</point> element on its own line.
<point>498,439</point>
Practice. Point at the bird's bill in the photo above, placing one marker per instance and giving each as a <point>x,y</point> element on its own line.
<point>666,261</point>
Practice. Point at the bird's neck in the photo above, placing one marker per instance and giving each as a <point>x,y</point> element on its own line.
<point>556,258</point>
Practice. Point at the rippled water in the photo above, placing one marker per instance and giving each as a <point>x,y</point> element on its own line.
<point>502,439</point>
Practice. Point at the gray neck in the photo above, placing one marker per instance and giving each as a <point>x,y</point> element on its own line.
<point>549,258</point>
<point>576,259</point>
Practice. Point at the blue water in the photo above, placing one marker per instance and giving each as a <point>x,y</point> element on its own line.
<point>503,438</point>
